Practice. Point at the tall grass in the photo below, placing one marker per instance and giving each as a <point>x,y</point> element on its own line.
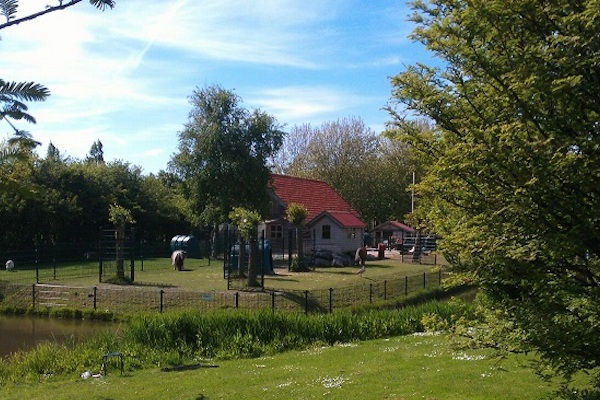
<point>174,338</point>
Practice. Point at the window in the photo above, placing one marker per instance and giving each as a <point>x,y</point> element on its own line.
<point>276,232</point>
<point>326,233</point>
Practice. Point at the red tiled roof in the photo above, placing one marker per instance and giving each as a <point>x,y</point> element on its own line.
<point>316,196</point>
<point>347,219</point>
<point>397,225</point>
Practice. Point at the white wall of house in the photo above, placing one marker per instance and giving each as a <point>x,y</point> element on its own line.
<point>340,239</point>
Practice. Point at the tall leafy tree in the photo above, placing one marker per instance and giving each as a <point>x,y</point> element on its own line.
<point>223,155</point>
<point>296,214</point>
<point>368,171</point>
<point>514,179</point>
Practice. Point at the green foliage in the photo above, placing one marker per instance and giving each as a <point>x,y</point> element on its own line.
<point>296,213</point>
<point>356,162</point>
<point>513,179</point>
<point>223,153</point>
<point>119,215</point>
<point>299,265</point>
<point>245,220</point>
<point>173,338</point>
<point>72,199</point>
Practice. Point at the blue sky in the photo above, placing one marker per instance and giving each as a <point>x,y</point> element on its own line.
<point>124,75</point>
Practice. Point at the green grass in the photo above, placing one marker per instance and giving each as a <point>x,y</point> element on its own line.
<point>200,276</point>
<point>404,367</point>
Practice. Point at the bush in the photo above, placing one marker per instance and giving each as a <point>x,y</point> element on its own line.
<point>300,265</point>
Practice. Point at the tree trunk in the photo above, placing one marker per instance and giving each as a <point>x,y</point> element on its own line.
<point>300,246</point>
<point>213,248</point>
<point>241,254</point>
<point>252,282</point>
<point>120,241</point>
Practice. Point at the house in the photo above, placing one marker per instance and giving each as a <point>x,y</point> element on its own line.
<point>392,232</point>
<point>331,224</point>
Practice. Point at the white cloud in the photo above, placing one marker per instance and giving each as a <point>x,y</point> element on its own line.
<point>301,104</point>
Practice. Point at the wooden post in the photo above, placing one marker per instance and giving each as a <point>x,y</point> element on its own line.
<point>95,296</point>
<point>237,299</point>
<point>424,274</point>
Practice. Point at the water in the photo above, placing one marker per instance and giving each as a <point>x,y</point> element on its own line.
<point>24,332</point>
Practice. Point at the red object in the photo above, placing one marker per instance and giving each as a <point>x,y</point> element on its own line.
<point>381,251</point>
<point>317,196</point>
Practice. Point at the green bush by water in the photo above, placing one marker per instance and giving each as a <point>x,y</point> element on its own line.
<point>174,338</point>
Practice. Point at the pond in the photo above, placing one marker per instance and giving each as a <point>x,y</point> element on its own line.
<point>25,332</point>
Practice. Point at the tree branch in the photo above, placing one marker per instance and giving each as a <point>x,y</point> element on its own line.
<point>39,14</point>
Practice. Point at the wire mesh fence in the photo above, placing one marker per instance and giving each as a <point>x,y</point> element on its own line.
<point>116,298</point>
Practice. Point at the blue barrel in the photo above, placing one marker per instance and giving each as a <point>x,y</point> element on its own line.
<point>187,243</point>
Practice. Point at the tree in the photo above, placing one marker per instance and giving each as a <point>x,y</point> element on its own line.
<point>296,214</point>
<point>513,183</point>
<point>120,217</point>
<point>370,172</point>
<point>223,152</point>
<point>246,222</point>
<point>8,9</point>
<point>96,154</point>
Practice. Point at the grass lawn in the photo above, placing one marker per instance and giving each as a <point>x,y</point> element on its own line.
<point>407,367</point>
<point>201,276</point>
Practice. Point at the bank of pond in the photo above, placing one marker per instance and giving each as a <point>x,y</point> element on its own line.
<point>150,340</point>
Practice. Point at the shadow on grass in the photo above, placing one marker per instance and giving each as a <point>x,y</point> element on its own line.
<point>190,367</point>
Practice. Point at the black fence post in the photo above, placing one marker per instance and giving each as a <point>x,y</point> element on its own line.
<point>405,286</point>
<point>142,255</point>
<point>100,256</point>
<point>273,301</point>
<point>424,274</point>
<point>290,241</point>
<point>37,266</point>
<point>162,292</point>
<point>440,277</point>
<point>306,302</point>
<point>385,289</point>
<point>54,261</point>
<point>132,255</point>
<point>330,300</point>
<point>264,260</point>
<point>33,295</point>
<point>370,293</point>
<point>237,299</point>
<point>95,296</point>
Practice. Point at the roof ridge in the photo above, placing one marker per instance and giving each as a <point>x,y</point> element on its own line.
<point>304,179</point>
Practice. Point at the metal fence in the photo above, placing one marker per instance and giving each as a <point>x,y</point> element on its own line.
<point>144,298</point>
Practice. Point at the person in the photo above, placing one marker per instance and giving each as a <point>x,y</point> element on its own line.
<point>177,259</point>
<point>361,256</point>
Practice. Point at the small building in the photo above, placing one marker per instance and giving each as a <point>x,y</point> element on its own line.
<point>331,223</point>
<point>392,232</point>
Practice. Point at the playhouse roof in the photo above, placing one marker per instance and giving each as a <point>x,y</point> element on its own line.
<point>317,197</point>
